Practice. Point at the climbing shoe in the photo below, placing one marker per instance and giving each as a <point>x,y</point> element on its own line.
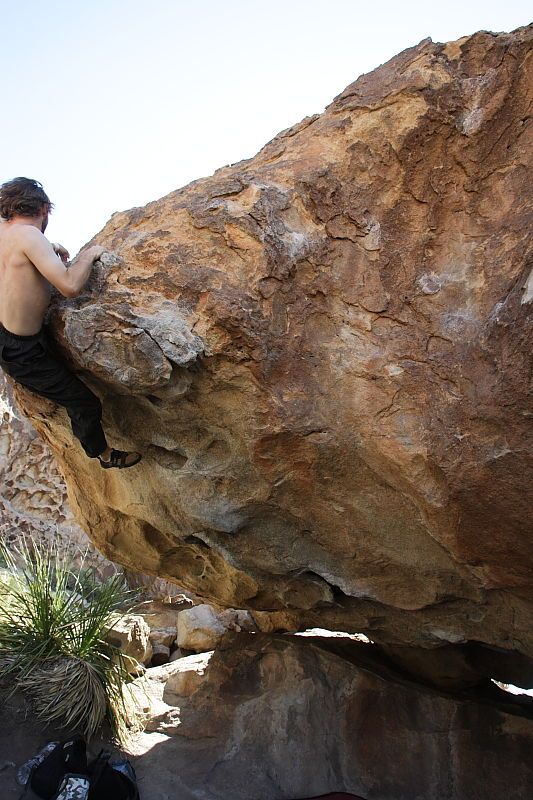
<point>118,459</point>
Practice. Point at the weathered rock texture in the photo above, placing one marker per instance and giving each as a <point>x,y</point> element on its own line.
<point>276,718</point>
<point>131,634</point>
<point>322,352</point>
<point>34,504</point>
<point>201,628</point>
<point>33,501</point>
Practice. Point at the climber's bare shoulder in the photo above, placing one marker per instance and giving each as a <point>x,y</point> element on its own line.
<point>24,291</point>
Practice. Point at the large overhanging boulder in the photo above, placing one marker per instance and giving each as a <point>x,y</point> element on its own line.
<point>322,353</point>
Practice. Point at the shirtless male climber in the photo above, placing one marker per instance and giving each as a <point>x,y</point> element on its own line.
<point>29,265</point>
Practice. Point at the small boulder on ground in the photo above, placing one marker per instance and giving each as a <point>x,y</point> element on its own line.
<point>163,636</point>
<point>131,634</point>
<point>275,621</point>
<point>186,677</point>
<point>159,614</point>
<point>236,619</point>
<point>199,628</point>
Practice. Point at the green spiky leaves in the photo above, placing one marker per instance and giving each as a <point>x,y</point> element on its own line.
<point>53,625</point>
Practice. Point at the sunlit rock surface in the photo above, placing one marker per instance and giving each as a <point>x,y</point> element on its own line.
<point>322,352</point>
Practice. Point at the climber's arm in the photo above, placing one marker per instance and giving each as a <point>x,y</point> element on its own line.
<point>69,280</point>
<point>80,268</point>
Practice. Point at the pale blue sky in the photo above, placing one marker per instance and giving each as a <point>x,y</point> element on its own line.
<point>113,103</point>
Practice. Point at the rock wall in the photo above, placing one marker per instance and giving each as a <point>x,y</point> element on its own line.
<point>278,718</point>
<point>271,717</point>
<point>322,352</point>
<point>34,504</point>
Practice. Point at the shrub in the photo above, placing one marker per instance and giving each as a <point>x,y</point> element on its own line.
<point>53,626</point>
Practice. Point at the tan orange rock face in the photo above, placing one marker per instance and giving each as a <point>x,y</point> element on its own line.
<point>322,352</point>
<point>33,502</point>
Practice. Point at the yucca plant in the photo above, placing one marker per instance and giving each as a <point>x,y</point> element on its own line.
<point>53,625</point>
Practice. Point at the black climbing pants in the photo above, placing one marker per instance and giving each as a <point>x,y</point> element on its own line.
<point>34,362</point>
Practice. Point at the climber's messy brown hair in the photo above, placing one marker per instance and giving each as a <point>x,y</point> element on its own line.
<point>23,196</point>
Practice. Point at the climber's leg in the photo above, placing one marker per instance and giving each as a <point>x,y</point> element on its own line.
<point>31,362</point>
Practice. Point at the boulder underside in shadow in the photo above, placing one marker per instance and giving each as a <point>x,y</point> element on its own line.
<point>271,717</point>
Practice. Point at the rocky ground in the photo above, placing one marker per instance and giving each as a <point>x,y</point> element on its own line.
<point>234,712</point>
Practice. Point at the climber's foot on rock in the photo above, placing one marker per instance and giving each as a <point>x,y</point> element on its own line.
<point>120,459</point>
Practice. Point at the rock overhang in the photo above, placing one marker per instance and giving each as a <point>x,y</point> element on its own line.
<point>322,351</point>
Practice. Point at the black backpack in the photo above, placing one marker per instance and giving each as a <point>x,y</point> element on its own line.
<point>64,774</point>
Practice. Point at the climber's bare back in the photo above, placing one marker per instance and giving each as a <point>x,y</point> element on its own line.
<point>24,291</point>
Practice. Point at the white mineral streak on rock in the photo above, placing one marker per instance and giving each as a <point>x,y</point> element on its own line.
<point>528,289</point>
<point>430,284</point>
<point>170,331</point>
